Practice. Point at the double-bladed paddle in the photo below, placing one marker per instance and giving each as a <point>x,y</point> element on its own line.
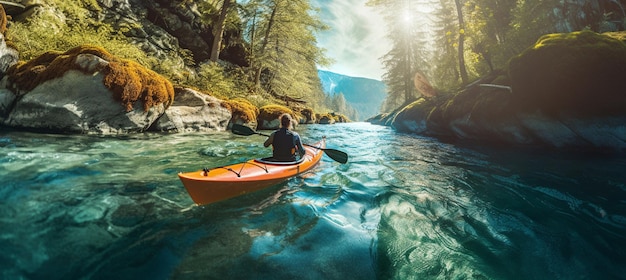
<point>336,155</point>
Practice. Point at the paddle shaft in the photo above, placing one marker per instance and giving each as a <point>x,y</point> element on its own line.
<point>336,155</point>
<point>304,144</point>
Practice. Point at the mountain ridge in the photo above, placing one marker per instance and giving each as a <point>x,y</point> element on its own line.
<point>365,95</point>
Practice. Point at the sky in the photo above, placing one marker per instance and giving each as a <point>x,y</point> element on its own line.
<point>356,40</point>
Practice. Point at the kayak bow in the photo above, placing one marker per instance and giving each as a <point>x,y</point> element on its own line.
<point>221,183</point>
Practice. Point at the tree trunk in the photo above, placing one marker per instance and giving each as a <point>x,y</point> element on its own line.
<point>218,30</point>
<point>462,68</point>
<point>266,39</point>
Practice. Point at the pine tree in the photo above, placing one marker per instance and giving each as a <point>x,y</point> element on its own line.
<point>283,48</point>
<point>409,51</point>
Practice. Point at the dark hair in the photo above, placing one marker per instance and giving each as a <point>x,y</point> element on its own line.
<point>285,120</point>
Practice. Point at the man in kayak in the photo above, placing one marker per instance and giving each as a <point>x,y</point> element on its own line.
<point>284,141</point>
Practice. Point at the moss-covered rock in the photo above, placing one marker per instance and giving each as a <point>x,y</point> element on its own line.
<point>412,118</point>
<point>579,73</point>
<point>568,91</point>
<point>268,116</point>
<point>129,81</point>
<point>308,116</point>
<point>193,111</point>
<point>326,119</point>
<point>243,112</point>
<point>340,118</point>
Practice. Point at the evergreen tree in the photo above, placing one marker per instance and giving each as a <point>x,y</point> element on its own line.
<point>283,48</point>
<point>446,72</point>
<point>409,51</point>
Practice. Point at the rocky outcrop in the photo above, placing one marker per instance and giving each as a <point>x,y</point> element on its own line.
<point>193,112</point>
<point>268,116</point>
<point>243,112</point>
<point>87,90</point>
<point>567,92</point>
<point>78,103</point>
<point>160,27</point>
<point>325,119</point>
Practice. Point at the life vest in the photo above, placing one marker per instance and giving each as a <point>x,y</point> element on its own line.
<point>284,146</point>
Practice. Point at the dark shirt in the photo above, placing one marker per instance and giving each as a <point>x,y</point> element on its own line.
<point>285,144</point>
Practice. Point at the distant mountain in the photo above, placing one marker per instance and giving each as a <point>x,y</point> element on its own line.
<point>364,95</point>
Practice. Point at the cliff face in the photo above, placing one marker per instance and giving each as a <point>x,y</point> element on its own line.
<point>163,26</point>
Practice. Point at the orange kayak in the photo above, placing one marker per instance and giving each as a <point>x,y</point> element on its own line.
<point>221,183</point>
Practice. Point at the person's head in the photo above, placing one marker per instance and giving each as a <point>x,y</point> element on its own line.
<point>285,120</point>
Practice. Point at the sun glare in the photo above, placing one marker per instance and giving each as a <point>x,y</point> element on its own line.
<point>407,17</point>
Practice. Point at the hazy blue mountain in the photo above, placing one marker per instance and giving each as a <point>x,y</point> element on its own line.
<point>363,94</point>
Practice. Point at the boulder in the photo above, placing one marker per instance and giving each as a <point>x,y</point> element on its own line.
<point>268,116</point>
<point>243,112</point>
<point>579,74</point>
<point>326,119</point>
<point>567,92</point>
<point>7,98</point>
<point>193,111</point>
<point>308,116</point>
<point>79,103</point>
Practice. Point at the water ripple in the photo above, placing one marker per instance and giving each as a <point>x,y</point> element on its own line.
<point>404,207</point>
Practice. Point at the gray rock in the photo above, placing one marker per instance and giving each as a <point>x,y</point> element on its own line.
<point>7,98</point>
<point>78,103</point>
<point>193,112</point>
<point>8,56</point>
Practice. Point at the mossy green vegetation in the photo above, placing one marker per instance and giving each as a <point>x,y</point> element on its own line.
<point>63,25</point>
<point>219,81</point>
<point>242,109</point>
<point>273,111</point>
<point>579,73</point>
<point>308,114</point>
<point>43,37</point>
<point>129,81</point>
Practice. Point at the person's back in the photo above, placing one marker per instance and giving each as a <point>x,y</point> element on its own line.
<point>284,146</point>
<point>285,142</point>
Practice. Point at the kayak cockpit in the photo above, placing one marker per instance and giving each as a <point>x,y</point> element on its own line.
<point>270,160</point>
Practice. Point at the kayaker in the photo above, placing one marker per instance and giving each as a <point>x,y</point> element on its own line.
<point>284,141</point>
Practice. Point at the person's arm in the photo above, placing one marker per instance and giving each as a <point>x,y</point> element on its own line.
<point>301,150</point>
<point>269,140</point>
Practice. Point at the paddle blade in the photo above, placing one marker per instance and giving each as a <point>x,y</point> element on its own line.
<point>242,130</point>
<point>336,155</point>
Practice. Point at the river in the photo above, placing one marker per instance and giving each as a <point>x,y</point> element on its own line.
<point>404,207</point>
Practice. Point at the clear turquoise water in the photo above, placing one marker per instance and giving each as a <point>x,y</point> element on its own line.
<point>404,207</point>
